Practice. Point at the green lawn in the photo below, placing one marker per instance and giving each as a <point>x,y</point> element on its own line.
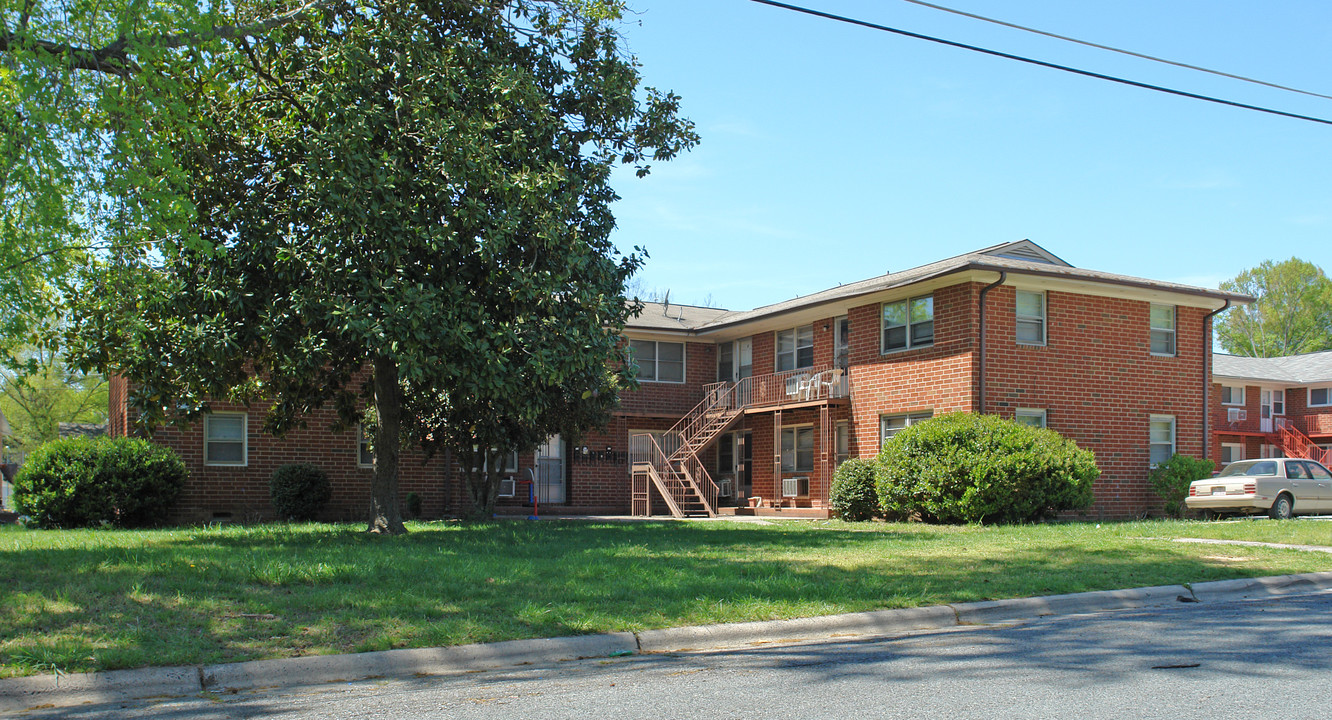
<point>101,600</point>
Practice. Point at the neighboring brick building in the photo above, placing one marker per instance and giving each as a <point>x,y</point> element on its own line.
<point>780,394</point>
<point>1272,407</point>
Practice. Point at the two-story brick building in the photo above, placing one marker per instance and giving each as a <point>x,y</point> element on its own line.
<point>1272,407</point>
<point>755,408</point>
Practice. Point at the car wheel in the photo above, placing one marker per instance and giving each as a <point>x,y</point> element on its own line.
<point>1211,515</point>
<point>1282,509</point>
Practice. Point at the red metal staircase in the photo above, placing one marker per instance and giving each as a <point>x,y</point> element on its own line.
<point>670,462</point>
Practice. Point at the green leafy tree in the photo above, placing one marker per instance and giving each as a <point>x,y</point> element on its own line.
<point>1292,313</point>
<point>92,96</point>
<point>36,401</point>
<point>400,203</point>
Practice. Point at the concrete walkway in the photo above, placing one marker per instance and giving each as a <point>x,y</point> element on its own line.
<point>18,694</point>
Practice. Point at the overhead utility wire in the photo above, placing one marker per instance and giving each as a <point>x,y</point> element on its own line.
<point>1042,63</point>
<point>1117,50</point>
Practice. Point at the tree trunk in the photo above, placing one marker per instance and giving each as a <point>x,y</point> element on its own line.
<point>482,486</point>
<point>385,515</point>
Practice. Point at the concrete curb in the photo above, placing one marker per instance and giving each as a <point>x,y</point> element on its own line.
<point>712,637</point>
<point>317,669</point>
<point>18,694</point>
<point>81,688</point>
<point>1251,588</point>
<point>997,611</point>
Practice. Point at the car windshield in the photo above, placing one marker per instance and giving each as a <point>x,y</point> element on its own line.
<point>1265,467</point>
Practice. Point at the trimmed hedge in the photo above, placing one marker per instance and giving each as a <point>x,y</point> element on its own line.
<point>1171,480</point>
<point>965,468</point>
<point>81,482</point>
<point>299,491</point>
<point>853,496</point>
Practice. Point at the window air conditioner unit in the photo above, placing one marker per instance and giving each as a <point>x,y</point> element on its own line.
<point>1236,414</point>
<point>725,488</point>
<point>795,487</point>
<point>507,486</point>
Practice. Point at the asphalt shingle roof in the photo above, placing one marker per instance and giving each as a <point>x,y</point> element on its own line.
<point>1294,369</point>
<point>992,259</point>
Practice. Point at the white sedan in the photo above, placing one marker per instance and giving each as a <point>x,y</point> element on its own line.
<point>1280,487</point>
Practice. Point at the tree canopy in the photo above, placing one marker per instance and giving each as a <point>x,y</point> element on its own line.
<point>405,204</point>
<point>1292,313</point>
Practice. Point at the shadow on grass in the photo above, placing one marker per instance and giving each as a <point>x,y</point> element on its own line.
<point>207,596</point>
<point>1071,658</point>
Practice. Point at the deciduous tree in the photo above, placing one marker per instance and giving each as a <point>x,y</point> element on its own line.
<point>1292,313</point>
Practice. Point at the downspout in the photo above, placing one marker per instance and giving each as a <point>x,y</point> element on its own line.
<point>1003,275</point>
<point>1207,381</point>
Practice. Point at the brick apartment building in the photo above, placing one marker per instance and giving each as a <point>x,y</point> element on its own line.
<point>750,411</point>
<point>1272,407</point>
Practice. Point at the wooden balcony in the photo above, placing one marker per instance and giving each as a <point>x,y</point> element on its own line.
<point>811,386</point>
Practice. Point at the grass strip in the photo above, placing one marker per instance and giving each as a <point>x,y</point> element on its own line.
<point>101,600</point>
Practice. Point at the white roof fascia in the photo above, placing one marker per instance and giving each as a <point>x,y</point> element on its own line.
<point>662,335</point>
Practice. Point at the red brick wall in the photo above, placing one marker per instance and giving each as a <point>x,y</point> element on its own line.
<point>236,493</point>
<point>675,399</point>
<point>937,378</point>
<point>1099,384</point>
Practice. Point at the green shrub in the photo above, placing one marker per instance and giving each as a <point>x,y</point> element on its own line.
<point>852,496</point>
<point>78,482</point>
<point>961,468</point>
<point>413,504</point>
<point>299,491</point>
<point>1171,479</point>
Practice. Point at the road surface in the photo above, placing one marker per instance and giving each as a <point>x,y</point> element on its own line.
<point>1254,660</point>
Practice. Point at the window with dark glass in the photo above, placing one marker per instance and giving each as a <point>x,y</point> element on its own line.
<point>908,323</point>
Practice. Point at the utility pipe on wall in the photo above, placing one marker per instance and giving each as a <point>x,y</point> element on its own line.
<point>985,291</point>
<point>1207,380</point>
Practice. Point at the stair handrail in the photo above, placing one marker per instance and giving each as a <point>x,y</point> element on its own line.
<point>1296,444</point>
<point>643,448</point>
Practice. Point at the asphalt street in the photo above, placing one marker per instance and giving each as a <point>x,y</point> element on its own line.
<point>1255,660</point>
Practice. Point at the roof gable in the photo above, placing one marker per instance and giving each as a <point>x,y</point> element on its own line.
<point>1024,250</point>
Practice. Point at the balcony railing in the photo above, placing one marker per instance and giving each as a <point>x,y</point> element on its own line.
<point>810,384</point>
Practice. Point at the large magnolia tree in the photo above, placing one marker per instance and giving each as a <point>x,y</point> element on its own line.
<point>357,199</point>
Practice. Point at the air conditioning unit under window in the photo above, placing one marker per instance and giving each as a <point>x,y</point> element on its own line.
<point>725,488</point>
<point>506,488</point>
<point>1236,414</point>
<point>795,487</point>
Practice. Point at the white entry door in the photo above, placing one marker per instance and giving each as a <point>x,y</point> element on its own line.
<point>550,471</point>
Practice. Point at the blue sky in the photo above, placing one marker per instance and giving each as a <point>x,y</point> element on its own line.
<point>833,153</point>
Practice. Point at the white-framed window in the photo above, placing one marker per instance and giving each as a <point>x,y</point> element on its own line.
<point>658,361</point>
<point>1163,329</point>
<point>798,449</point>
<point>225,439</point>
<point>1279,402</point>
<point>1232,394</point>
<point>1266,451</point>
<point>795,348</point>
<point>1230,452</point>
<point>843,441</point>
<point>908,324</point>
<point>842,342</point>
<point>1030,317</point>
<point>508,462</point>
<point>1162,438</point>
<point>1030,416</point>
<point>364,456</point>
<point>1320,397</point>
<point>890,425</point>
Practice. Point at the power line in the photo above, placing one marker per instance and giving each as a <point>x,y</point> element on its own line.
<point>1041,63</point>
<point>1117,50</point>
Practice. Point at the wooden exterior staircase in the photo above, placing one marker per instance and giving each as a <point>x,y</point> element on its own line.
<point>670,463</point>
<point>1296,444</point>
